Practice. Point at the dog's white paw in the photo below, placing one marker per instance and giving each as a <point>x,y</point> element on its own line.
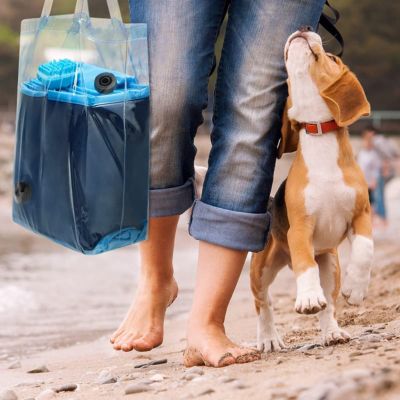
<point>355,287</point>
<point>310,301</point>
<point>358,272</point>
<point>310,297</point>
<point>270,342</point>
<point>335,337</point>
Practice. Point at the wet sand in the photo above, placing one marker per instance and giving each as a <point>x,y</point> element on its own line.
<point>57,308</point>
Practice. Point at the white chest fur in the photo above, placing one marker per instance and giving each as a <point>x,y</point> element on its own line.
<point>327,197</point>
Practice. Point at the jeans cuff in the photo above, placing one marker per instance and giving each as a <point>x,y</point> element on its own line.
<point>234,229</point>
<point>172,201</point>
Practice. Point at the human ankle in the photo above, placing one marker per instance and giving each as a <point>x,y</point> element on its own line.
<point>205,322</point>
<point>158,278</point>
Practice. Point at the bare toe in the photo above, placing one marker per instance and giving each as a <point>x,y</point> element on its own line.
<point>248,357</point>
<point>148,342</point>
<point>142,328</point>
<point>225,360</point>
<point>208,345</point>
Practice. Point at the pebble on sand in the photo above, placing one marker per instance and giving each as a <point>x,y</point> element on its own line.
<point>309,346</point>
<point>46,395</point>
<point>373,337</point>
<point>189,376</point>
<point>8,395</point>
<point>238,385</point>
<point>205,392</point>
<point>15,365</point>
<point>105,378</point>
<point>136,388</point>
<point>67,388</point>
<point>157,377</point>
<point>195,370</point>
<point>150,363</point>
<point>39,370</point>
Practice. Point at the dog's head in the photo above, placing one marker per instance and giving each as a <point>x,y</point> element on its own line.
<point>340,94</point>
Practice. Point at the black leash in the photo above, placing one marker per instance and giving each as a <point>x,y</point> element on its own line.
<point>329,23</point>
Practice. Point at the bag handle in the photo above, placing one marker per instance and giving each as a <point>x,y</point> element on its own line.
<point>329,24</point>
<point>82,6</point>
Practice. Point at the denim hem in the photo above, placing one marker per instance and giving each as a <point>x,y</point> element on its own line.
<point>234,229</point>
<point>172,201</point>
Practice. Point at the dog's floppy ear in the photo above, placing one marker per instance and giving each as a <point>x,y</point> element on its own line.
<point>340,89</point>
<point>289,131</point>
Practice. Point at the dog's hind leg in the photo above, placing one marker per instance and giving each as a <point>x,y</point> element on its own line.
<point>263,269</point>
<point>329,270</point>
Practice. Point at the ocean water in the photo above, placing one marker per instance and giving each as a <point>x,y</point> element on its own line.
<point>51,296</point>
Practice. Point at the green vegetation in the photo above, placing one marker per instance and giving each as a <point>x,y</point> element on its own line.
<point>370,30</point>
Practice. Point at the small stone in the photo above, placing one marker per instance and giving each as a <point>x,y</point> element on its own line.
<point>205,392</point>
<point>67,388</point>
<point>385,384</point>
<point>15,365</point>
<point>46,395</point>
<point>390,349</point>
<point>157,377</point>
<point>136,388</point>
<point>356,354</point>
<point>309,346</point>
<point>195,370</point>
<point>200,378</point>
<point>189,377</point>
<point>155,362</point>
<point>371,338</point>
<point>226,379</point>
<point>39,370</point>
<point>145,382</point>
<point>239,385</point>
<point>8,395</point>
<point>370,330</point>
<point>131,377</point>
<point>389,336</point>
<point>105,378</point>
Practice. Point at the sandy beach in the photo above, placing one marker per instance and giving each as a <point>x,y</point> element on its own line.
<point>58,308</point>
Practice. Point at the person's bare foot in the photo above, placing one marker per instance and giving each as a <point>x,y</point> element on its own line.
<point>208,345</point>
<point>143,327</point>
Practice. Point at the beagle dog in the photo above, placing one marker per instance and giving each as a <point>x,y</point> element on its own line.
<point>324,199</point>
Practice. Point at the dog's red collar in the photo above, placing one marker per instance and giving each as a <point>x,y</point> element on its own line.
<point>319,128</point>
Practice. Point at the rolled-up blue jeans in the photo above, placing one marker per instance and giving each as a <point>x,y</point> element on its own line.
<point>248,104</point>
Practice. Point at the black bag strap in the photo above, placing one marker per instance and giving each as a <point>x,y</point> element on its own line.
<point>329,22</point>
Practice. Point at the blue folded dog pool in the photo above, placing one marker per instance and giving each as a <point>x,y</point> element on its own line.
<point>82,157</point>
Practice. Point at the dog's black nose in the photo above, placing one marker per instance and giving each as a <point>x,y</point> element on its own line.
<point>305,28</point>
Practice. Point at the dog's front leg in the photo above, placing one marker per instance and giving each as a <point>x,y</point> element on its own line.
<point>358,272</point>
<point>310,297</point>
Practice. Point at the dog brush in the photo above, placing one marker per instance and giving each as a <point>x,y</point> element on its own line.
<point>57,75</point>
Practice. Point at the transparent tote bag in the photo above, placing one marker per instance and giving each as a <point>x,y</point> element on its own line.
<point>81,172</point>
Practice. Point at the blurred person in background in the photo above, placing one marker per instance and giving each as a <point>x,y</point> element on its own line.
<point>370,163</point>
<point>389,153</point>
